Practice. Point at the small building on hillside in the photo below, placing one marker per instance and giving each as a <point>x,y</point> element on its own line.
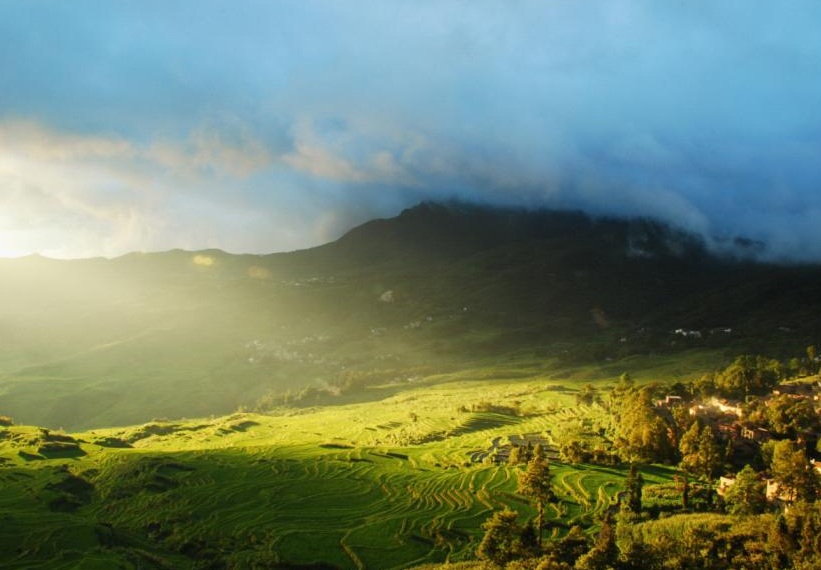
<point>729,407</point>
<point>715,407</point>
<point>756,434</point>
<point>730,430</point>
<point>670,402</point>
<point>724,483</point>
<point>777,493</point>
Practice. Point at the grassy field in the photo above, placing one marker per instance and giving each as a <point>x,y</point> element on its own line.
<point>381,484</point>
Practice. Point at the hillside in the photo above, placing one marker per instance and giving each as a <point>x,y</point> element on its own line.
<point>386,380</point>
<point>388,484</point>
<point>91,343</point>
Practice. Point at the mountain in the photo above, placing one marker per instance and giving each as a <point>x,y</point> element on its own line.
<point>89,343</point>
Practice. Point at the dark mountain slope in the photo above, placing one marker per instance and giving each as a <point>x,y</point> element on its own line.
<point>540,266</point>
<point>101,342</point>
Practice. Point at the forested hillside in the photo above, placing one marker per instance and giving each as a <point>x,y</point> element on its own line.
<point>108,342</point>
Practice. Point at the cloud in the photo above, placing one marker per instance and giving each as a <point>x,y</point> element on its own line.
<point>70,194</point>
<point>320,162</point>
<point>35,141</point>
<point>344,152</point>
<point>185,122</point>
<point>210,150</point>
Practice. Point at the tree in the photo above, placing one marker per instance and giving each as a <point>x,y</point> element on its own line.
<point>502,540</point>
<point>642,434</point>
<point>571,547</point>
<point>710,454</point>
<point>683,486</point>
<point>705,386</point>
<point>748,375</point>
<point>633,485</point>
<point>700,451</point>
<point>587,394</point>
<point>604,553</point>
<point>624,386</point>
<point>518,455</point>
<point>780,543</point>
<point>535,482</point>
<point>688,445</point>
<point>574,452</point>
<point>747,495</point>
<point>795,368</point>
<point>793,472</point>
<point>789,417</point>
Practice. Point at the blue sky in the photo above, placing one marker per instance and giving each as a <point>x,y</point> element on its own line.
<point>269,126</point>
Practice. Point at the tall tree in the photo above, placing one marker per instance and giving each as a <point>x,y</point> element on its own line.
<point>700,452</point>
<point>688,445</point>
<point>789,416</point>
<point>517,455</point>
<point>624,386</point>
<point>502,540</point>
<point>791,468</point>
<point>633,486</point>
<point>535,482</point>
<point>571,547</point>
<point>604,553</point>
<point>747,495</point>
<point>710,454</point>
<point>643,435</point>
<point>683,486</point>
<point>748,375</point>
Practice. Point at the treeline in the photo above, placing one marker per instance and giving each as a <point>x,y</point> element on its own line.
<point>646,432</point>
<point>788,541</point>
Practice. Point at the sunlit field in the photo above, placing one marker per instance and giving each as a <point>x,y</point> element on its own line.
<point>385,484</point>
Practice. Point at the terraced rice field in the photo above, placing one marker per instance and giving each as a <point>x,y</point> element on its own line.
<point>360,486</point>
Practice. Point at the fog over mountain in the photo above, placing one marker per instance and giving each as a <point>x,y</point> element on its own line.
<point>264,127</point>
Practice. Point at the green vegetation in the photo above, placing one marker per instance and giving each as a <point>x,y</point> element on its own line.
<point>90,343</point>
<point>407,480</point>
<point>356,485</point>
<point>451,384</point>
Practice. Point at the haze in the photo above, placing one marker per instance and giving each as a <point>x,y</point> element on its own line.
<point>259,127</point>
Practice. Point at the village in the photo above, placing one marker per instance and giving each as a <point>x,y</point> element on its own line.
<point>713,437</point>
<point>747,427</point>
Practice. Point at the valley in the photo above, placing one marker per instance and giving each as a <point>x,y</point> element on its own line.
<point>372,403</point>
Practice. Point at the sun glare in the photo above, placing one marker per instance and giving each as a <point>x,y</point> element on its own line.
<point>10,248</point>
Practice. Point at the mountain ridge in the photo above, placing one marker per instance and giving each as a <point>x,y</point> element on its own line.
<point>439,287</point>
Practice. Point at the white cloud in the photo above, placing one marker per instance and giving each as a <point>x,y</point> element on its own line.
<point>321,162</point>
<point>67,194</point>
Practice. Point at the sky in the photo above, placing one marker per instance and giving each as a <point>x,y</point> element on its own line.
<point>260,126</point>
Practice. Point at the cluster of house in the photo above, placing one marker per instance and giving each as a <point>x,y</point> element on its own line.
<point>775,493</point>
<point>500,450</point>
<point>728,418</point>
<point>689,333</point>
